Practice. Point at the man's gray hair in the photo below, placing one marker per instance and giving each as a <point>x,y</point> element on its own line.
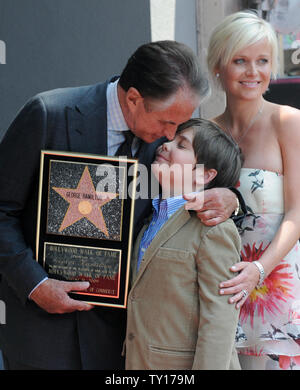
<point>159,69</point>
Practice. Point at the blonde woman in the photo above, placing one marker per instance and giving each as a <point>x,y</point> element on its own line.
<point>242,57</point>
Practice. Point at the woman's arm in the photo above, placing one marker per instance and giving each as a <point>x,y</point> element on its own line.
<point>289,230</point>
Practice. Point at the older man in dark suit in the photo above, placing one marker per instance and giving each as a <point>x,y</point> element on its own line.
<point>159,88</point>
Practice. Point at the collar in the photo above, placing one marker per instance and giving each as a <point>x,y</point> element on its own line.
<point>172,204</point>
<point>115,118</point>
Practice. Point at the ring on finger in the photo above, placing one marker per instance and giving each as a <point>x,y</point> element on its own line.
<point>245,293</point>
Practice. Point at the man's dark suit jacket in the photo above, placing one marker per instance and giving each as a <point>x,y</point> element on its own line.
<point>69,119</point>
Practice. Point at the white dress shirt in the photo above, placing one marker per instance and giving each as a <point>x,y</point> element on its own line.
<point>116,123</point>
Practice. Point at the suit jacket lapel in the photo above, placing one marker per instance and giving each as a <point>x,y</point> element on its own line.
<point>170,228</point>
<point>87,125</point>
<point>87,122</point>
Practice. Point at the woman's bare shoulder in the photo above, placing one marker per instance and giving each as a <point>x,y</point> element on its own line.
<point>284,117</point>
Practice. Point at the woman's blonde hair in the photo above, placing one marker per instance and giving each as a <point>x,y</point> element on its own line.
<point>237,31</point>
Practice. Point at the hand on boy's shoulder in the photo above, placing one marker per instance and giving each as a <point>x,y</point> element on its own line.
<point>212,206</point>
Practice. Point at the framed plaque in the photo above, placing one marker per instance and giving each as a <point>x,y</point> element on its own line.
<point>85,223</point>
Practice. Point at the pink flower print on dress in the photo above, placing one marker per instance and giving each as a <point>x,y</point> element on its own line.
<point>275,289</point>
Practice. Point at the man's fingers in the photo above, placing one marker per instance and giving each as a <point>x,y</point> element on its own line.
<point>72,305</point>
<point>211,217</point>
<point>191,203</point>
<point>76,286</point>
<point>52,296</point>
<point>189,196</point>
<point>212,221</point>
<point>194,202</point>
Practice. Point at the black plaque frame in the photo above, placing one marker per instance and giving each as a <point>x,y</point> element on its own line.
<point>84,246</point>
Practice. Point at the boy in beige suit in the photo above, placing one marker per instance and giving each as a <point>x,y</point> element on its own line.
<point>176,318</point>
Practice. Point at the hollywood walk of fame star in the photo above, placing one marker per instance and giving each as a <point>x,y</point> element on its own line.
<point>85,202</point>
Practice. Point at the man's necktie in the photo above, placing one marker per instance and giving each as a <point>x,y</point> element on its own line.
<point>125,148</point>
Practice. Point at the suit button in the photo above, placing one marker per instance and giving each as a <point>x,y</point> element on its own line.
<point>130,336</point>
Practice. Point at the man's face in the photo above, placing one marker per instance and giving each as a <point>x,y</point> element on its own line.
<point>151,121</point>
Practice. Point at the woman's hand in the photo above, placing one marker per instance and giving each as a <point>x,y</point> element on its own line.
<point>242,284</point>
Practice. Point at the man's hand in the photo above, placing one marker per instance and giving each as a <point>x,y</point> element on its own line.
<point>52,296</point>
<point>213,206</point>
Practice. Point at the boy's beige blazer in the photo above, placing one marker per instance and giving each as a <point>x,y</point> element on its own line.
<point>176,317</point>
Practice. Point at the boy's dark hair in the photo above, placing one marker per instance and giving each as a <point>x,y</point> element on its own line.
<point>158,69</point>
<point>216,150</point>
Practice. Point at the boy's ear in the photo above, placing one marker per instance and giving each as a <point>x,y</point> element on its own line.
<point>209,175</point>
<point>204,176</point>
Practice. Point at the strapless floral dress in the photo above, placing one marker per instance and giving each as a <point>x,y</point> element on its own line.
<point>269,337</point>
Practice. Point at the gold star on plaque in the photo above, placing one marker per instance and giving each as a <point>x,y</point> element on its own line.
<point>85,202</point>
